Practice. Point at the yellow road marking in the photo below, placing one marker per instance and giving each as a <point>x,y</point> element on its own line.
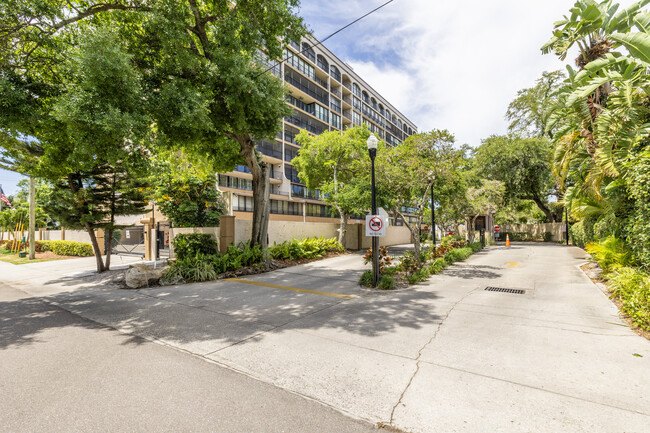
<point>293,289</point>
<point>512,264</point>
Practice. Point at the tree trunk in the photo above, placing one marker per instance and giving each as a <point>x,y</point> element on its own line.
<point>261,189</point>
<point>108,235</point>
<point>470,228</point>
<point>542,206</point>
<point>343,227</point>
<point>96,250</point>
<point>415,232</point>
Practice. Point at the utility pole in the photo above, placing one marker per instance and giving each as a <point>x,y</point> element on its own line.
<point>32,218</point>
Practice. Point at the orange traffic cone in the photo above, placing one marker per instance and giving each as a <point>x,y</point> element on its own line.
<point>507,240</point>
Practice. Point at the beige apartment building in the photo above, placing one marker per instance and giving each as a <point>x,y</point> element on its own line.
<point>325,95</point>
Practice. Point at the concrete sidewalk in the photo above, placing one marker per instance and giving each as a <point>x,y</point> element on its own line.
<point>443,356</point>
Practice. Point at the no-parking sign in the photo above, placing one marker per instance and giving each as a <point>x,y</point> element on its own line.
<point>375,225</point>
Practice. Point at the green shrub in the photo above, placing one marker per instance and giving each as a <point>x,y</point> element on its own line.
<point>419,276</point>
<point>387,282</point>
<point>408,263</point>
<point>198,268</point>
<point>475,246</point>
<point>66,248</point>
<point>309,248</point>
<point>237,257</point>
<point>582,232</point>
<point>388,270</point>
<point>458,255</point>
<point>632,288</point>
<point>189,244</point>
<point>437,266</point>
<point>610,253</point>
<point>547,236</point>
<point>366,279</point>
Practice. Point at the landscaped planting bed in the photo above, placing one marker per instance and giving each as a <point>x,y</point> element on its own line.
<point>410,270</point>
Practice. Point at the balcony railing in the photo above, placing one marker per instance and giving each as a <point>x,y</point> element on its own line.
<point>300,123</point>
<point>306,86</point>
<point>267,148</point>
<point>348,99</point>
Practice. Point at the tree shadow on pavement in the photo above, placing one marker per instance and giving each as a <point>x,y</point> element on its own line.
<point>470,272</point>
<point>23,319</point>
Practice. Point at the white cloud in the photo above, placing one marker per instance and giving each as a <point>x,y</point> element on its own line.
<point>449,65</point>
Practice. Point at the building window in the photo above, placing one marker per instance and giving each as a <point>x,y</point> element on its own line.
<point>291,173</point>
<point>308,52</point>
<point>381,109</point>
<point>242,204</point>
<point>355,89</point>
<point>336,121</point>
<point>356,118</point>
<point>320,112</point>
<point>296,62</point>
<point>364,96</point>
<point>285,207</point>
<point>335,105</point>
<point>290,153</point>
<point>235,182</point>
<point>322,63</point>
<point>334,73</point>
<point>373,103</point>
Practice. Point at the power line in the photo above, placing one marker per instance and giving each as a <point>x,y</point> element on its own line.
<point>333,34</point>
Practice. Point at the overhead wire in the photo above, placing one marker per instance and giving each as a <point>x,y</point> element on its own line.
<point>320,42</point>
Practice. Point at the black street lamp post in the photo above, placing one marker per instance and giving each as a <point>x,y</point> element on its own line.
<point>372,150</point>
<point>433,219</point>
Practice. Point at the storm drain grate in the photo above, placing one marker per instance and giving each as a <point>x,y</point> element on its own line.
<point>504,290</point>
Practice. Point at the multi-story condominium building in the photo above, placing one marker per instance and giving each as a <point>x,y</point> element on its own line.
<point>325,95</point>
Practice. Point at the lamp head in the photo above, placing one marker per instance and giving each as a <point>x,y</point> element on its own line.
<point>372,142</point>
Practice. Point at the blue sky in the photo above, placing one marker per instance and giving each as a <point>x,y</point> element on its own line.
<point>447,65</point>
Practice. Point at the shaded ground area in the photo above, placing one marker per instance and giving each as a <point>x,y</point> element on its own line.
<point>445,355</point>
<point>64,373</point>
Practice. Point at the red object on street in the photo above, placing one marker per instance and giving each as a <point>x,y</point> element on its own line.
<point>497,229</point>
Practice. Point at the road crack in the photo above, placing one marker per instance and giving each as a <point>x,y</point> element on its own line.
<point>418,361</point>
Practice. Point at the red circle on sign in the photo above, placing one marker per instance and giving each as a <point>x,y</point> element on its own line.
<point>375,224</point>
<point>497,228</point>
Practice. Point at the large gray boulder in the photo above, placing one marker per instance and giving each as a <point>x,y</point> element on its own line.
<point>142,275</point>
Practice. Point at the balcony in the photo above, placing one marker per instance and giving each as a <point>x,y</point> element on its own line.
<point>272,149</point>
<point>310,125</point>
<point>306,86</point>
<point>304,192</point>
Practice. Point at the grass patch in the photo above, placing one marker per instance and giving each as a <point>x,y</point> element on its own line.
<point>7,256</point>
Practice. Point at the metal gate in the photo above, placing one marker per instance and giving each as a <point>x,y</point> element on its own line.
<point>129,240</point>
<point>162,240</point>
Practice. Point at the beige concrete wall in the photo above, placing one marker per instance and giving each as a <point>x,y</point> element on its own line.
<point>536,230</point>
<point>70,235</point>
<point>395,235</point>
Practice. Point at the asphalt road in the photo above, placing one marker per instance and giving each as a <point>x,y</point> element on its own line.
<point>62,373</point>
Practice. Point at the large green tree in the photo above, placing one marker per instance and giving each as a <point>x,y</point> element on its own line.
<point>409,171</point>
<point>524,167</point>
<point>201,64</point>
<point>528,112</point>
<point>337,164</point>
<point>77,118</point>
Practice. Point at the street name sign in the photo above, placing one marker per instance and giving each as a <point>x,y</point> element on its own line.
<point>375,225</point>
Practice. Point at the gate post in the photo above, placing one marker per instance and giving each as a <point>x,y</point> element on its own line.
<point>226,232</point>
<point>147,238</point>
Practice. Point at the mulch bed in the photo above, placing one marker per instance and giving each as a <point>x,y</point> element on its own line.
<point>594,272</point>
